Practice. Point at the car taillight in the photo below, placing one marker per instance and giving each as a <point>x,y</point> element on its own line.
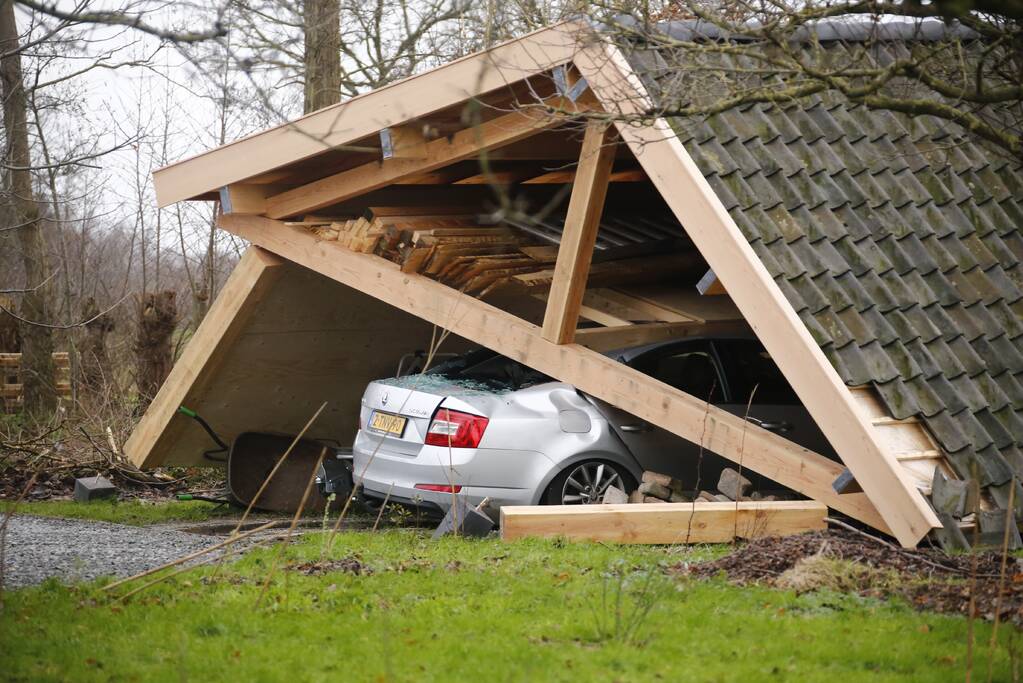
<point>455,429</point>
<point>440,488</point>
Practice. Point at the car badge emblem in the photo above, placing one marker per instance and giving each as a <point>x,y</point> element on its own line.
<point>384,399</point>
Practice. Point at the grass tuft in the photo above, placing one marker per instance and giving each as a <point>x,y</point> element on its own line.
<point>134,512</point>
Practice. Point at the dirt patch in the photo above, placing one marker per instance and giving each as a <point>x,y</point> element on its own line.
<point>842,560</point>
<point>348,565</point>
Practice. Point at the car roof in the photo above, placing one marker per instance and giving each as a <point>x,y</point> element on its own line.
<point>630,352</point>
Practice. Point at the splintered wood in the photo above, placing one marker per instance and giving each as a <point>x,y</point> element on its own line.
<point>479,259</point>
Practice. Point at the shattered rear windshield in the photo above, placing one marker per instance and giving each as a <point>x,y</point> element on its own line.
<point>486,368</point>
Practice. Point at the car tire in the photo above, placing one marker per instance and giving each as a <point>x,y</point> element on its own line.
<point>610,474</point>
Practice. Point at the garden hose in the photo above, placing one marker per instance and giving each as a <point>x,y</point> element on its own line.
<point>209,430</point>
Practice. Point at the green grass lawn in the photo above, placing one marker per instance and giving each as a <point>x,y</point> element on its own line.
<point>133,512</point>
<point>486,611</point>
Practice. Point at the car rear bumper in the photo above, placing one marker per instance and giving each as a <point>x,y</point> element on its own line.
<point>520,474</point>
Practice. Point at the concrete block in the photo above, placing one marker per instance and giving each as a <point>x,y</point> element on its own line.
<point>733,485</point>
<point>464,520</point>
<point>91,488</point>
<point>652,488</point>
<point>615,496</point>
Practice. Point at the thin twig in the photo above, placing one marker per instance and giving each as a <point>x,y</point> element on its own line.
<point>383,507</point>
<point>190,556</point>
<point>291,528</point>
<point>1009,513</point>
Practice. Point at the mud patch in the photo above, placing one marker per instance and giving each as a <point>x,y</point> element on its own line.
<point>346,565</point>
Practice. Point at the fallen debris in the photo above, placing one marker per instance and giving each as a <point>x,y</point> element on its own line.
<point>614,496</point>
<point>853,562</point>
<point>733,485</point>
<point>464,520</point>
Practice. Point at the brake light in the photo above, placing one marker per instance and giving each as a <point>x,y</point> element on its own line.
<point>455,429</point>
<point>440,488</point>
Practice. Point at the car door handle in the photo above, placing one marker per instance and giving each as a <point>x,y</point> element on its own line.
<point>635,427</point>
<point>772,426</point>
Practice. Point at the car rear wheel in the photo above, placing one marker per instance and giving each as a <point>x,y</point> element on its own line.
<point>585,483</point>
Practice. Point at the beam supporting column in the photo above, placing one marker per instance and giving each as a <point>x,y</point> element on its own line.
<point>580,234</point>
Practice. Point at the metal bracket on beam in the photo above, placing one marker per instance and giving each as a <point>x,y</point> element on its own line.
<point>846,483</point>
<point>571,91</point>
<point>386,143</point>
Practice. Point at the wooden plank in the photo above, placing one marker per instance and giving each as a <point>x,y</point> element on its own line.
<point>611,338</point>
<point>663,523</point>
<point>332,127</point>
<point>464,144</point>
<point>757,296</point>
<point>632,175</point>
<point>684,301</point>
<point>728,435</point>
<point>239,298</point>
<point>580,234</point>
<point>638,309</point>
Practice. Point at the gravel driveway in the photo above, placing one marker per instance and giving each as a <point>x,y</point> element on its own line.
<point>76,550</point>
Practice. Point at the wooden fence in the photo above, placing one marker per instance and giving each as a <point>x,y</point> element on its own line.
<point>10,374</point>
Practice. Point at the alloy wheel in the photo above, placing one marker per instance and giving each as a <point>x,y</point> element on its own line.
<point>588,482</point>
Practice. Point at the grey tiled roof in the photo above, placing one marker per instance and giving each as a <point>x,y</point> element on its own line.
<point>897,241</point>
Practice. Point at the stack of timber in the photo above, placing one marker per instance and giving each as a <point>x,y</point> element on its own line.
<point>459,251</point>
<point>10,381</point>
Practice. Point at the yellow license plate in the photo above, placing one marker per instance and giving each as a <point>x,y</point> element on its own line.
<point>388,423</point>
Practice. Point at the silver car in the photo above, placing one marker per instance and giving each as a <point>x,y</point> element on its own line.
<point>481,425</point>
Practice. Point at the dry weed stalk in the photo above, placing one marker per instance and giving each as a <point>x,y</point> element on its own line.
<point>291,528</point>
<point>1009,513</point>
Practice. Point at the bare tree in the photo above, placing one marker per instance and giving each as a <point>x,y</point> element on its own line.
<point>37,340</point>
<point>322,54</point>
<point>937,59</point>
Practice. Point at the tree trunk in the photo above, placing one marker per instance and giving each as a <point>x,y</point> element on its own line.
<point>158,316</point>
<point>322,54</point>
<point>37,341</point>
<point>95,365</point>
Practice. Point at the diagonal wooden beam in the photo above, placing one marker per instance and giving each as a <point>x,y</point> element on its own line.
<point>465,144</point>
<point>594,373</point>
<point>250,280</point>
<point>580,234</point>
<point>758,297</point>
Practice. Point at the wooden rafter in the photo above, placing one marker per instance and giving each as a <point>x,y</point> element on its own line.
<point>333,127</point>
<point>757,296</point>
<point>728,435</point>
<point>464,144</point>
<point>580,234</point>
<point>621,337</point>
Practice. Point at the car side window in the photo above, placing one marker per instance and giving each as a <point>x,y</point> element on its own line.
<point>689,367</point>
<point>746,365</point>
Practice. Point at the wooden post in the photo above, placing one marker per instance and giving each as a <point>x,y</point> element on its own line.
<point>580,234</point>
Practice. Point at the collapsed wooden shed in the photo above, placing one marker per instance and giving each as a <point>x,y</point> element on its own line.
<point>893,315</point>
